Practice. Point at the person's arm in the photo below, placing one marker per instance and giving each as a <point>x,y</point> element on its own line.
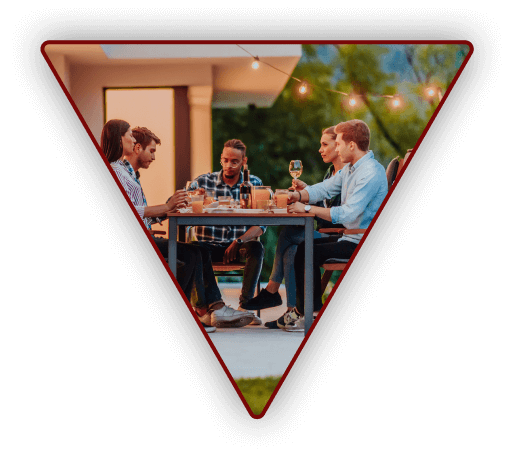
<point>232,252</point>
<point>323,213</point>
<point>177,201</point>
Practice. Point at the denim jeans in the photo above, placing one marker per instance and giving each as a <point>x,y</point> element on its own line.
<point>252,252</point>
<point>196,273</point>
<point>283,265</point>
<point>325,249</point>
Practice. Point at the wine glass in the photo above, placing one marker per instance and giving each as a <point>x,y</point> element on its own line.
<point>191,187</point>
<point>295,169</point>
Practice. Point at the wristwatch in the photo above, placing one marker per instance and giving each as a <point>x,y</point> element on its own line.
<point>307,207</point>
<point>239,241</point>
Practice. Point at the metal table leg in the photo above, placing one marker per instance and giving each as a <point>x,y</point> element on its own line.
<point>309,276</point>
<point>172,244</point>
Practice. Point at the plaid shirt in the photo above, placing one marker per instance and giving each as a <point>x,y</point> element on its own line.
<point>216,234</point>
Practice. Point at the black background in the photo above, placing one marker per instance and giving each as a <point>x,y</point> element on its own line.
<point>102,339</point>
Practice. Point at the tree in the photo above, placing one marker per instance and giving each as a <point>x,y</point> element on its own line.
<point>291,129</point>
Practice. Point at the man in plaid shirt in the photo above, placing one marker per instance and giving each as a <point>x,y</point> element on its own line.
<point>230,243</point>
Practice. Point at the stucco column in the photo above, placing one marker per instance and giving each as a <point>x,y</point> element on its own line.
<point>200,101</point>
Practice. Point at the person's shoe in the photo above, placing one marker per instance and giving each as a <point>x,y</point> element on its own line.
<point>288,318</point>
<point>256,320</point>
<point>297,326</point>
<point>228,317</point>
<point>264,299</point>
<point>208,329</point>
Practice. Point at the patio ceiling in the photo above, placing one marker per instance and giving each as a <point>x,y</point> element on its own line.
<point>234,82</point>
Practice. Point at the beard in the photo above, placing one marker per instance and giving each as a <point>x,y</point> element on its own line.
<point>230,175</point>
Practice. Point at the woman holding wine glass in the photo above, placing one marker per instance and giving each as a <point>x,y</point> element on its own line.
<point>291,237</point>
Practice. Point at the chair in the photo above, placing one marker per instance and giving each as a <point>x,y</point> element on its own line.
<point>331,265</point>
<point>221,269</point>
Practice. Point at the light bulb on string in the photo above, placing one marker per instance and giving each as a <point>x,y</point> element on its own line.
<point>256,64</point>
<point>431,92</point>
<point>352,102</point>
<point>303,88</point>
<point>395,102</point>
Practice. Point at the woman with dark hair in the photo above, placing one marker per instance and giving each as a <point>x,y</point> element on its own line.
<point>195,267</point>
<point>291,237</point>
<point>116,138</point>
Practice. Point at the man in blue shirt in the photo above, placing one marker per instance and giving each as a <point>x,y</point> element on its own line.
<point>362,184</point>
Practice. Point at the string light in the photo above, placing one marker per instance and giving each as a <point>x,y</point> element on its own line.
<point>352,102</point>
<point>432,91</point>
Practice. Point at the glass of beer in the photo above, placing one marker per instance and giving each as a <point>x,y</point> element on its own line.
<point>209,197</point>
<point>224,199</point>
<point>281,198</point>
<point>197,203</point>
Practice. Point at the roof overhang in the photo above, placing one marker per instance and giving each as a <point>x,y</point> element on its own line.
<point>235,83</point>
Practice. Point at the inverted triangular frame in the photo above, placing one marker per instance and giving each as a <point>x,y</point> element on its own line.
<point>377,215</point>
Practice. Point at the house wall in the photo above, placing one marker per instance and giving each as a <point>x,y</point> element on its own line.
<point>86,84</point>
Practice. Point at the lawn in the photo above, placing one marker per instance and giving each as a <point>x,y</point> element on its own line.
<point>257,391</point>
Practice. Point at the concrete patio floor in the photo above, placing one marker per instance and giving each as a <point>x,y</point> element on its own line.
<point>255,351</point>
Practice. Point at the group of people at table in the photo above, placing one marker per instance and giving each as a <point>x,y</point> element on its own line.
<point>349,196</point>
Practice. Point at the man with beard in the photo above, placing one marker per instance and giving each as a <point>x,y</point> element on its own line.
<point>230,243</point>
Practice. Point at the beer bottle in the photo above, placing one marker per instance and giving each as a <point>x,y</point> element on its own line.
<point>245,190</point>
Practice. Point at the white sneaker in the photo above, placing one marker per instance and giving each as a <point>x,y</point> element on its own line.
<point>256,320</point>
<point>208,329</point>
<point>228,317</point>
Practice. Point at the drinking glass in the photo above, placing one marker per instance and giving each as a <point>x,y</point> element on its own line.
<point>209,197</point>
<point>191,187</point>
<point>281,198</point>
<point>197,203</point>
<point>295,169</point>
<point>224,198</point>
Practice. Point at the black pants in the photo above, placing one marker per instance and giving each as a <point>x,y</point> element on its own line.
<point>324,249</point>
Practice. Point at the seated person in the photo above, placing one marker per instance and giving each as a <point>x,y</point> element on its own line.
<point>229,243</point>
<point>128,151</point>
<point>290,237</point>
<point>362,185</point>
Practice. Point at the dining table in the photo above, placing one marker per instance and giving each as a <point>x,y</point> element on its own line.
<point>248,217</point>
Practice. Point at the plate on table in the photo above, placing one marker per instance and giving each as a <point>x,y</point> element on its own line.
<point>280,211</point>
<point>248,211</point>
<point>219,209</point>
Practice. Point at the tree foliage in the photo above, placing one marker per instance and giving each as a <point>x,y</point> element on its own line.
<point>291,128</point>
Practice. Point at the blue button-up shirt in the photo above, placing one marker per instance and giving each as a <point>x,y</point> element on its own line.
<point>363,187</point>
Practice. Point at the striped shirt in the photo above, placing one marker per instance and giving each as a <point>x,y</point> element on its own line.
<point>216,234</point>
<point>126,175</point>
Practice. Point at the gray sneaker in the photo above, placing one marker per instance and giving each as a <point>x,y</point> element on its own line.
<point>296,326</point>
<point>228,317</point>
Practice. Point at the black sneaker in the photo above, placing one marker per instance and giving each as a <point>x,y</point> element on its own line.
<point>287,319</point>
<point>264,299</point>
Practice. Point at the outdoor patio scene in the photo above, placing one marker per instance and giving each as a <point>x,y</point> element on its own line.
<point>278,100</point>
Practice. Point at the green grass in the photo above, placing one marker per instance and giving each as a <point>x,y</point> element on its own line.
<point>257,391</point>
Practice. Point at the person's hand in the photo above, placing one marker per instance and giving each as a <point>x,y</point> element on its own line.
<point>178,200</point>
<point>292,197</point>
<point>232,252</point>
<point>296,207</point>
<point>298,184</point>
